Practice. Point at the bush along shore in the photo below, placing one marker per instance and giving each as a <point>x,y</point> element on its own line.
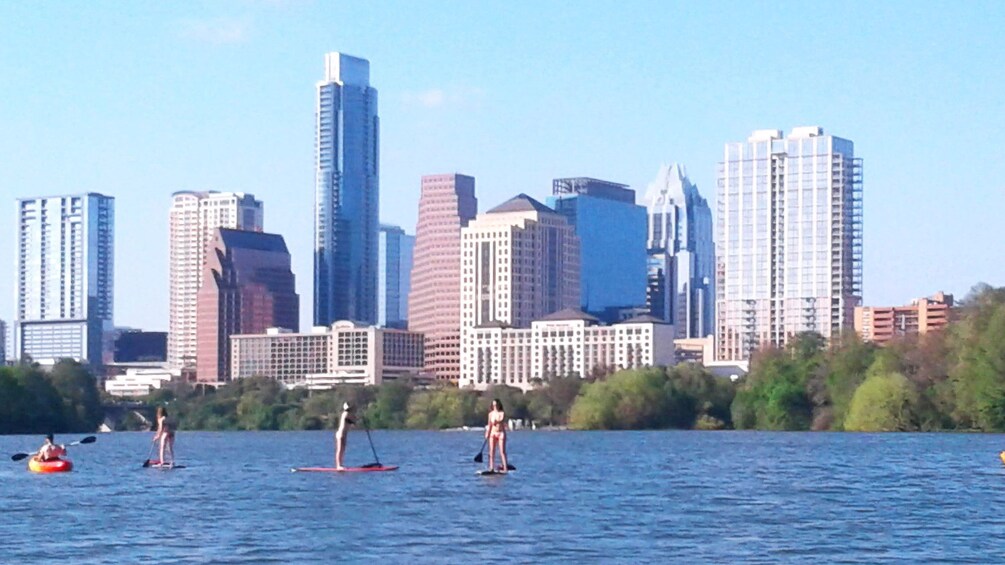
<point>948,380</point>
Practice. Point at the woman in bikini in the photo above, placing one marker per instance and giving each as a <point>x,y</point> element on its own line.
<point>342,435</point>
<point>165,433</point>
<point>495,432</point>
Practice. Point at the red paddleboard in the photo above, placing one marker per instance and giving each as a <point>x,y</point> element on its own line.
<point>344,469</point>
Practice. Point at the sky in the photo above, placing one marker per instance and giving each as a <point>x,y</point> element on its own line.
<point>138,100</point>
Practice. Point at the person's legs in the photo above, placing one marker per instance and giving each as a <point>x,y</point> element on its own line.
<point>502,453</point>
<point>492,452</point>
<point>170,445</point>
<point>164,439</point>
<point>339,451</point>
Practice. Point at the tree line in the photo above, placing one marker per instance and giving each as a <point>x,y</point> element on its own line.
<point>64,399</point>
<point>948,380</point>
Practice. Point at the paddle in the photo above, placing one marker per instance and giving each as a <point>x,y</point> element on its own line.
<point>150,454</point>
<point>20,456</point>
<point>479,458</point>
<point>376,459</point>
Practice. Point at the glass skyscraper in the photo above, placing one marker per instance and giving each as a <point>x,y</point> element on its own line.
<point>65,275</point>
<point>612,235</point>
<point>681,266</point>
<point>396,249</point>
<point>346,194</point>
<point>789,239</point>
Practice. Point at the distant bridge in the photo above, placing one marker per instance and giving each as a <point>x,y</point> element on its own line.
<point>115,414</point>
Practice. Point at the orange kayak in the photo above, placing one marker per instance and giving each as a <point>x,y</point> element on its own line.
<point>53,466</point>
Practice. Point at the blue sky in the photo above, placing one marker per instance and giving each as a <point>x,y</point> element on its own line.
<point>141,99</point>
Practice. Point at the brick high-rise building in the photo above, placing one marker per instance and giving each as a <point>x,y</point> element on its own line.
<point>881,324</point>
<point>194,218</point>
<point>247,287</point>
<point>447,203</point>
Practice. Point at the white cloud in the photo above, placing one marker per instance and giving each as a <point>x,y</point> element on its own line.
<point>217,31</point>
<point>439,97</point>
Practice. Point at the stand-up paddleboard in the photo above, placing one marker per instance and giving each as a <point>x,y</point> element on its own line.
<point>376,469</point>
<point>157,465</point>
<point>489,472</point>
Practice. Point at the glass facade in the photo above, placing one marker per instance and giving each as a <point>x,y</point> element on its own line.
<point>681,254</point>
<point>346,193</point>
<point>394,276</point>
<point>789,239</point>
<point>612,236</point>
<point>65,267</point>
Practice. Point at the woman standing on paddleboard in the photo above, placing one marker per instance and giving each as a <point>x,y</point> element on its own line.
<point>495,432</point>
<point>342,434</point>
<point>165,433</point>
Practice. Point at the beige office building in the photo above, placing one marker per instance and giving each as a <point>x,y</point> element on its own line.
<point>562,344</point>
<point>194,217</point>
<point>346,353</point>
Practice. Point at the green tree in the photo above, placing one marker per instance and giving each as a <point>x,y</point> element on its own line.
<point>883,403</point>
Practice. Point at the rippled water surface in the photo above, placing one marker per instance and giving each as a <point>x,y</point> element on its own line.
<point>716,497</point>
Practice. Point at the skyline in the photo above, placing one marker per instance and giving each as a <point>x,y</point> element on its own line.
<point>220,97</point>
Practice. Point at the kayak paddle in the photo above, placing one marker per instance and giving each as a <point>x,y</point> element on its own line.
<point>20,456</point>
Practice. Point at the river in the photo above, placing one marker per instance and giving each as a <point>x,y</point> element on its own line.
<point>611,497</point>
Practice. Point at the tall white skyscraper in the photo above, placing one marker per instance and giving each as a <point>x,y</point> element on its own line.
<point>789,239</point>
<point>65,270</point>
<point>681,254</point>
<point>194,218</point>
<point>346,193</point>
<point>396,250</point>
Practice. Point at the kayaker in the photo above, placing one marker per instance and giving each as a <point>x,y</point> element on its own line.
<point>495,432</point>
<point>342,434</point>
<point>165,433</point>
<point>50,451</point>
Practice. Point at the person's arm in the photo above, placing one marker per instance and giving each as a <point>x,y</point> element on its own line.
<point>160,430</point>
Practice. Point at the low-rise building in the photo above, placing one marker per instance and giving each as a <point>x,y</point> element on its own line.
<point>565,343</point>
<point>345,353</point>
<point>138,381</point>
<point>880,324</point>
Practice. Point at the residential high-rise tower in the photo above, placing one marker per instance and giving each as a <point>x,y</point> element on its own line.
<point>394,271</point>
<point>194,218</point>
<point>681,254</point>
<point>789,239</point>
<point>346,193</point>
<point>446,204</point>
<point>65,277</point>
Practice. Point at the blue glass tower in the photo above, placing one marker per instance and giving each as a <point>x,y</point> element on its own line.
<point>612,234</point>
<point>346,193</point>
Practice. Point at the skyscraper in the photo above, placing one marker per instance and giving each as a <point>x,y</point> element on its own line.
<point>394,276</point>
<point>65,277</point>
<point>681,254</point>
<point>789,239</point>
<point>612,237</point>
<point>346,193</point>
<point>519,263</point>
<point>3,343</point>
<point>194,218</point>
<point>446,204</point>
<point>247,287</point>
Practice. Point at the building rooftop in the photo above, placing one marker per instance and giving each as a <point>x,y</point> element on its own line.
<point>643,319</point>
<point>258,241</point>
<point>521,203</point>
<point>569,314</point>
